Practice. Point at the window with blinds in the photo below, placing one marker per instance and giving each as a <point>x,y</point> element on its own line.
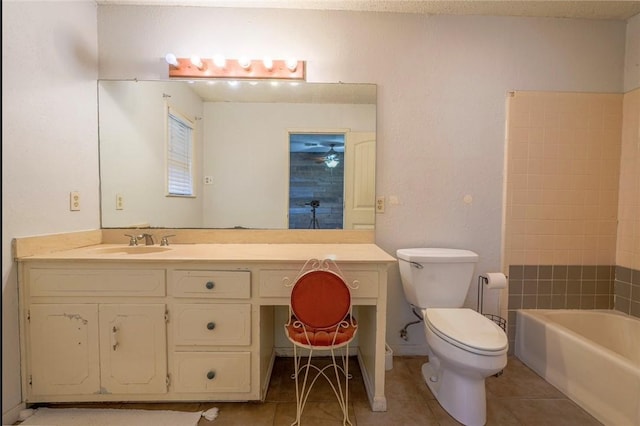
<point>179,155</point>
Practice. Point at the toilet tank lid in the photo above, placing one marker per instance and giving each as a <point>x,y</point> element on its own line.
<point>437,255</point>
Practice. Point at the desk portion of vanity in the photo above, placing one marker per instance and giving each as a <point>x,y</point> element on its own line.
<point>189,322</point>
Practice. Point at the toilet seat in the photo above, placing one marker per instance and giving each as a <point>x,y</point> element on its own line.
<point>467,330</point>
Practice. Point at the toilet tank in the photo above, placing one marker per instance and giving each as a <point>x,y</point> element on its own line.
<point>436,277</point>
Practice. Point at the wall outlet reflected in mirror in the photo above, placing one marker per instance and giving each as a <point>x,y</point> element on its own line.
<point>119,202</point>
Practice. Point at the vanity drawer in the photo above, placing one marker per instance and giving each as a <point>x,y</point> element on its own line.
<point>277,282</point>
<point>216,284</point>
<point>212,324</point>
<point>96,282</point>
<point>197,372</point>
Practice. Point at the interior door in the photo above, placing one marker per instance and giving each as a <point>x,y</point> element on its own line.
<point>359,180</point>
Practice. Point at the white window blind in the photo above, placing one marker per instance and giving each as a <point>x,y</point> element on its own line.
<point>179,155</point>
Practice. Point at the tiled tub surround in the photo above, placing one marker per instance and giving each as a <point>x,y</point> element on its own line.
<point>563,172</point>
<point>571,287</point>
<point>558,287</point>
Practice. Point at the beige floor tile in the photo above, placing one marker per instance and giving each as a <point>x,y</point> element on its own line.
<point>519,381</point>
<point>551,412</point>
<point>499,414</point>
<point>314,414</point>
<point>399,413</point>
<point>403,382</point>
<point>282,387</point>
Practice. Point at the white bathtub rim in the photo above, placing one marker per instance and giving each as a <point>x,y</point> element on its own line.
<point>537,313</point>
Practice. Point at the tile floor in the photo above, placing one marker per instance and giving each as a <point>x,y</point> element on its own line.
<point>517,397</point>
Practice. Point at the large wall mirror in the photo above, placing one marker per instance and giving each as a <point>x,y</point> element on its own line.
<point>204,154</point>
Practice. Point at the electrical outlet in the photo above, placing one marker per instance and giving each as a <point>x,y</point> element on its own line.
<point>380,204</point>
<point>208,180</point>
<point>74,201</point>
<point>119,202</point>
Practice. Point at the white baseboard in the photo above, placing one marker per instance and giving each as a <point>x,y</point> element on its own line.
<point>10,416</point>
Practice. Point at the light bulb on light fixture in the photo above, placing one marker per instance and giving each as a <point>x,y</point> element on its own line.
<point>233,83</point>
<point>197,62</point>
<point>219,61</point>
<point>268,63</point>
<point>331,160</point>
<point>172,60</point>
<point>292,64</point>
<point>244,62</point>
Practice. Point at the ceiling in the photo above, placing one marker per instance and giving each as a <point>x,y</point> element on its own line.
<point>581,9</point>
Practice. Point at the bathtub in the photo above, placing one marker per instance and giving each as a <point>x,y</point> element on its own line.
<point>593,357</point>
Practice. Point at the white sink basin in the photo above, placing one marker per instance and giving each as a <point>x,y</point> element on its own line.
<point>132,249</point>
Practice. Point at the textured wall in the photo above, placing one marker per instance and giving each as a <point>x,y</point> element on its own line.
<point>49,142</point>
<point>442,82</point>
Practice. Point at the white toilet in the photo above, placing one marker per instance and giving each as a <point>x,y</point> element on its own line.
<point>464,346</point>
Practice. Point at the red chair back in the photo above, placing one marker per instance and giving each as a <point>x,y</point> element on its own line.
<point>320,299</point>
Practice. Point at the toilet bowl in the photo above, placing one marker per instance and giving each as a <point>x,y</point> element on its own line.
<point>465,347</point>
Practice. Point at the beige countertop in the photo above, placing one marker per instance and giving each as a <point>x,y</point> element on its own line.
<point>348,253</point>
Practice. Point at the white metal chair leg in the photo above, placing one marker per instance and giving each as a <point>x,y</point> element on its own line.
<point>303,390</point>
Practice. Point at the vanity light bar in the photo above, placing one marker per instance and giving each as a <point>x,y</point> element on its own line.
<point>236,68</point>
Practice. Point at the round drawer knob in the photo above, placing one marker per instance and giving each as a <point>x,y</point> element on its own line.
<point>209,285</point>
<point>211,326</point>
<point>211,375</point>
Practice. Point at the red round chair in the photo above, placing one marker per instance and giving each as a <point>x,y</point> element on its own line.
<point>320,319</point>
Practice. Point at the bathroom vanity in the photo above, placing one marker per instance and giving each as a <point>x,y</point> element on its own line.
<point>187,322</point>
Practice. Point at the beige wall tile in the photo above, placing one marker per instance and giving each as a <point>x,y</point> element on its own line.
<point>628,214</point>
<point>563,178</point>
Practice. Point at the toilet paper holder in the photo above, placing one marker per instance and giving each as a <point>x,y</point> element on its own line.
<point>502,323</point>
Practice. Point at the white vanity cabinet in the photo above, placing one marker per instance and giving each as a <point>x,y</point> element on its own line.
<point>94,332</point>
<point>193,322</point>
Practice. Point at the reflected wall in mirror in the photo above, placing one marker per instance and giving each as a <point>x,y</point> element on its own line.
<point>240,151</point>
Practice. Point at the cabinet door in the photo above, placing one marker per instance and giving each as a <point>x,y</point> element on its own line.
<point>133,348</point>
<point>64,349</point>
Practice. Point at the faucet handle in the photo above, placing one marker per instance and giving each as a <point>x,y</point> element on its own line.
<point>133,240</point>
<point>165,240</point>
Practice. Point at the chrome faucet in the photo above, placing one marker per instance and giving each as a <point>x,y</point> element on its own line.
<point>148,239</point>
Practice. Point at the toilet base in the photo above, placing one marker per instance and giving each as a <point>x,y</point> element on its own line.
<point>464,398</point>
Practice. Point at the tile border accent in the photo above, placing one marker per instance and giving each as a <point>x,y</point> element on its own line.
<point>627,291</point>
